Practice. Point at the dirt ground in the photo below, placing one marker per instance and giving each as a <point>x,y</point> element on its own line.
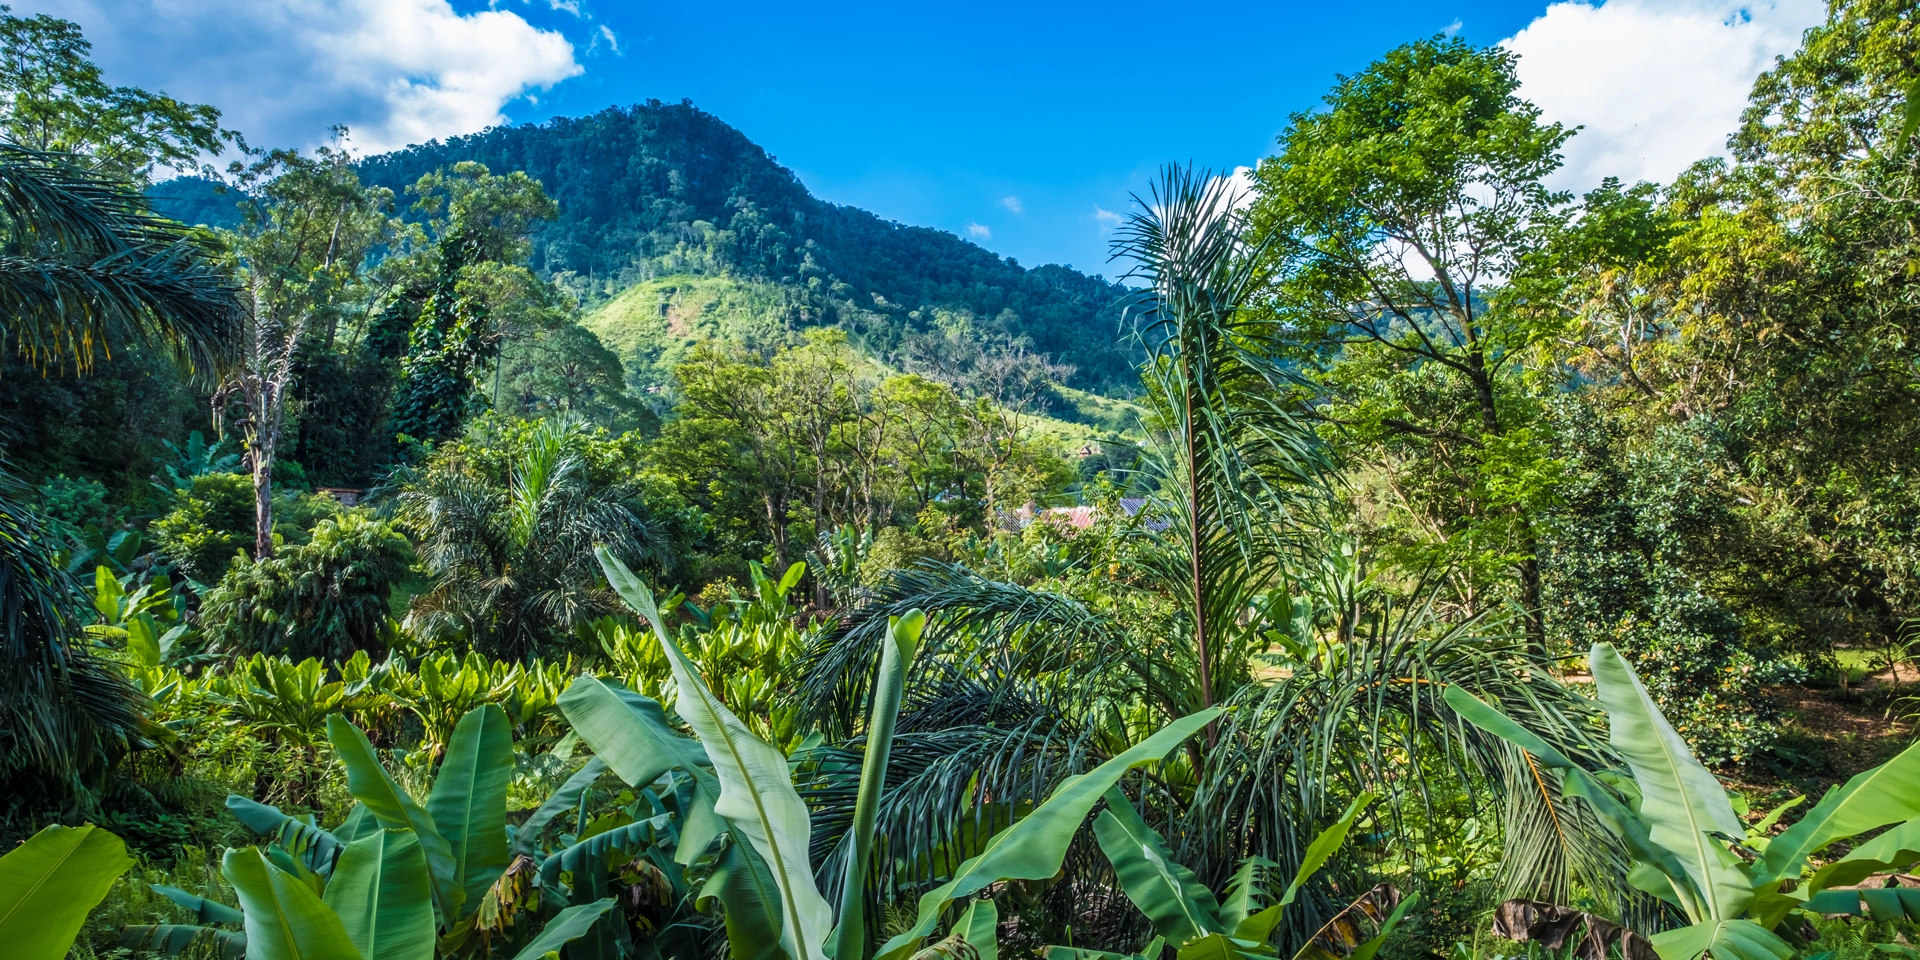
<point>1833,732</point>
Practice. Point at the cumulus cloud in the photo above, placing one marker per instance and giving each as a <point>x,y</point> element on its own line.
<point>1657,84</point>
<point>1013,203</point>
<point>284,71</point>
<point>979,231</point>
<point>1107,219</point>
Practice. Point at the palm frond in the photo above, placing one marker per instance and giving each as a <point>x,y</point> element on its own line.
<point>87,266</point>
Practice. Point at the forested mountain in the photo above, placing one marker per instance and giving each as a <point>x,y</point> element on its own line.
<point>662,190</point>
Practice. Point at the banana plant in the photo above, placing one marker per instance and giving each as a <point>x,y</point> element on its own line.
<point>399,880</point>
<point>1689,846</point>
<point>763,878</point>
<point>1186,915</point>
<point>48,884</point>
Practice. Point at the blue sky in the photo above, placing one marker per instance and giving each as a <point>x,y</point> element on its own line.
<point>1022,126</point>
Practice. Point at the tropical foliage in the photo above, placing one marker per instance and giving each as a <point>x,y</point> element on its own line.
<point>614,553</point>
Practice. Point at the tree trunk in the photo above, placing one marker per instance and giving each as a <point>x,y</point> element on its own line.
<point>263,488</point>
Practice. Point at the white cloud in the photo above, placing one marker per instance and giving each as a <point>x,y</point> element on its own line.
<point>979,231</point>
<point>1657,84</point>
<point>1452,28</point>
<point>613,42</point>
<point>1107,219</point>
<point>1013,203</point>
<point>1239,187</point>
<point>283,71</point>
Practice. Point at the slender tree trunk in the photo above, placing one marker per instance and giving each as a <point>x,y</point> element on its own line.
<point>265,433</point>
<point>1193,555</point>
<point>1529,568</point>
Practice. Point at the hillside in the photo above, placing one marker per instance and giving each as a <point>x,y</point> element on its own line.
<point>668,197</point>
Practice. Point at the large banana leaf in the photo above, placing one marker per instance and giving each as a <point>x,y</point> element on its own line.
<point>394,809</point>
<point>1681,802</point>
<point>383,895</point>
<point>469,799</point>
<point>903,639</point>
<point>316,847</point>
<point>173,939</point>
<point>1897,849</point>
<point>1632,830</point>
<point>570,925</point>
<point>1886,794</point>
<point>756,791</point>
<point>1734,939</point>
<point>1179,906</point>
<point>744,887</point>
<point>285,920</point>
<point>631,734</point>
<point>979,926</point>
<point>1036,846</point>
<point>48,884</point>
<point>206,911</point>
<point>527,841</point>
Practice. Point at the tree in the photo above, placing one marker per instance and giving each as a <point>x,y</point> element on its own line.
<point>1391,218</point>
<point>304,255</point>
<point>508,530</point>
<point>478,275</point>
<point>325,598</point>
<point>52,98</point>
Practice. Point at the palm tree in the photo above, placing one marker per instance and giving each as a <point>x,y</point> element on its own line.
<point>513,564</point>
<point>84,267</point>
<point>1014,689</point>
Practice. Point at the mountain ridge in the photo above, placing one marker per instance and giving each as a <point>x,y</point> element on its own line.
<point>657,190</point>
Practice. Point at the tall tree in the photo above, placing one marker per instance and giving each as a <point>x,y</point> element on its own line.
<point>1391,217</point>
<point>53,98</point>
<point>304,256</point>
<point>477,262</point>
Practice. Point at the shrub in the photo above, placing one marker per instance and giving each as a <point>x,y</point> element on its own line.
<point>325,598</point>
<point>210,520</point>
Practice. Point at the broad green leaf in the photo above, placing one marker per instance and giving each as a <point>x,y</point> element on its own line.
<point>1152,952</point>
<point>1324,845</point>
<point>756,792</point>
<point>204,910</point>
<point>358,825</point>
<point>1681,802</point>
<point>1894,850</point>
<point>285,920</point>
<point>394,809</point>
<point>173,939</point>
<point>1632,830</point>
<point>1180,907</point>
<point>1343,934</point>
<point>48,884</point>
<point>1035,847</point>
<point>701,825</point>
<point>1888,793</point>
<point>316,848</point>
<point>143,640</point>
<point>748,894</point>
<point>1726,939</point>
<point>469,799</point>
<point>527,841</point>
<point>1213,946</point>
<point>903,640</point>
<point>568,926</point>
<point>979,926</point>
<point>383,895</point>
<point>1879,903</point>
<point>630,732</point>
